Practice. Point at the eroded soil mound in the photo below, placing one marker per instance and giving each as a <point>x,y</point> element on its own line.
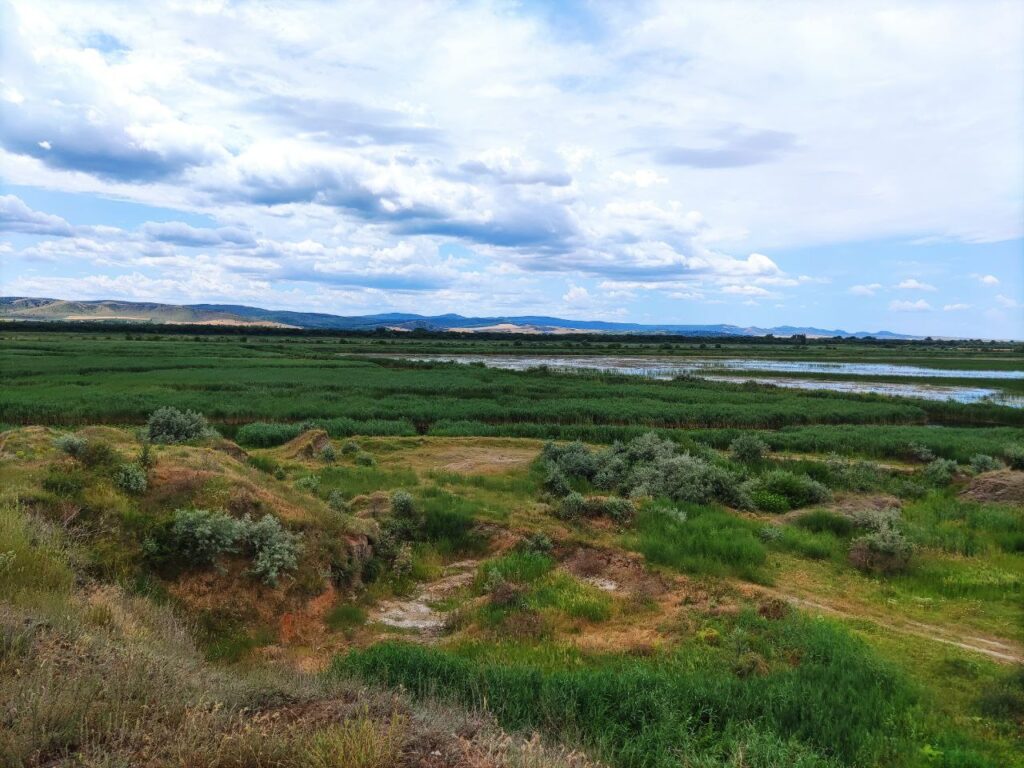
<point>1004,487</point>
<point>307,445</point>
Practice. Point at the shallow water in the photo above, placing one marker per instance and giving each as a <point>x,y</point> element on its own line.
<point>712,368</point>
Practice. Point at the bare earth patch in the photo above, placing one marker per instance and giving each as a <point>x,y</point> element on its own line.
<point>1004,487</point>
<point>418,613</point>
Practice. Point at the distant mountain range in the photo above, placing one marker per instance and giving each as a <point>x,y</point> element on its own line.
<point>20,308</point>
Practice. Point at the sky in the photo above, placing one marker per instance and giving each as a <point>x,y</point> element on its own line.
<point>850,165</point>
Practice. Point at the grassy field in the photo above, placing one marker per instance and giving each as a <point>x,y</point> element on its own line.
<point>367,563</point>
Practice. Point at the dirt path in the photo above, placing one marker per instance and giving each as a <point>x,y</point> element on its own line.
<point>1004,651</point>
<point>417,612</point>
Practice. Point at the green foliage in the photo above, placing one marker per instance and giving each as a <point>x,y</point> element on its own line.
<point>309,483</point>
<point>327,454</point>
<point>131,478</point>
<point>197,537</point>
<point>823,521</point>
<point>72,445</point>
<point>704,540</point>
<point>365,459</point>
<point>273,549</point>
<point>265,464</point>
<point>572,506</point>
<point>345,616</point>
<point>170,425</point>
<point>349,448</point>
<point>538,543</point>
<point>940,472</point>
<point>748,449</point>
<point>336,500</point>
<point>1014,456</point>
<point>769,501</point>
<point>982,462</point>
<point>883,550</point>
<point>403,506</point>
<point>517,566</point>
<point>637,712</point>
<point>555,481</point>
<point>798,490</point>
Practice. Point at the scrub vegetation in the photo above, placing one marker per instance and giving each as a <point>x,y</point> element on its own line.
<point>268,551</point>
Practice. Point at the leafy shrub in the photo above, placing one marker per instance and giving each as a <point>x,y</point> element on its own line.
<point>170,425</point>
<point>327,454</point>
<point>875,519</point>
<point>336,500</point>
<point>767,501</point>
<point>538,543</point>
<point>620,510</point>
<point>349,448</point>
<point>748,449</point>
<point>273,548</point>
<point>920,452</point>
<point>771,533</point>
<point>198,536</point>
<point>555,481</point>
<point>1014,456</point>
<point>572,506</point>
<point>940,472</point>
<point>885,550</point>
<point>403,562</point>
<point>982,462</point>
<point>72,445</point>
<point>403,505</point>
<point>798,490</point>
<point>131,478</point>
<point>365,459</point>
<point>310,483</point>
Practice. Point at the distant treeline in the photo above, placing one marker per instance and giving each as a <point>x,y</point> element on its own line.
<point>184,329</point>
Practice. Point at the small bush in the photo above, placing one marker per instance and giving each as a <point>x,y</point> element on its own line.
<point>273,548</point>
<point>538,543</point>
<point>349,448</point>
<point>572,506</point>
<point>336,500</point>
<point>403,505</point>
<point>169,425</point>
<point>748,449</point>
<point>365,459</point>
<point>766,501</point>
<point>919,452</point>
<point>771,533</point>
<point>620,510</point>
<point>940,472</point>
<point>884,550</point>
<point>131,478</point>
<point>555,481</point>
<point>798,490</point>
<point>310,483</point>
<point>403,562</point>
<point>72,445</point>
<point>982,462</point>
<point>199,537</point>
<point>1014,456</point>
<point>875,519</point>
<point>327,454</point>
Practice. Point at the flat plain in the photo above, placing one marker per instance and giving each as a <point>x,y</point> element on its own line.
<point>273,550</point>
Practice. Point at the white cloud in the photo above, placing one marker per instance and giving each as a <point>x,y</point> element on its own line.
<point>915,285</point>
<point>955,307</point>
<point>1006,301</point>
<point>639,153</point>
<point>576,294</point>
<point>909,306</point>
<point>746,290</point>
<point>865,290</point>
<point>988,279</point>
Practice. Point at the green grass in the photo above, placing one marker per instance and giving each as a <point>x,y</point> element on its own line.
<point>346,616</point>
<point>837,705</point>
<point>709,541</point>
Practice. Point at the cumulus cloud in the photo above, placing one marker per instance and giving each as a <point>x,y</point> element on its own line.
<point>909,306</point>
<point>915,285</point>
<point>987,279</point>
<point>955,307</point>
<point>15,216</point>
<point>865,290</point>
